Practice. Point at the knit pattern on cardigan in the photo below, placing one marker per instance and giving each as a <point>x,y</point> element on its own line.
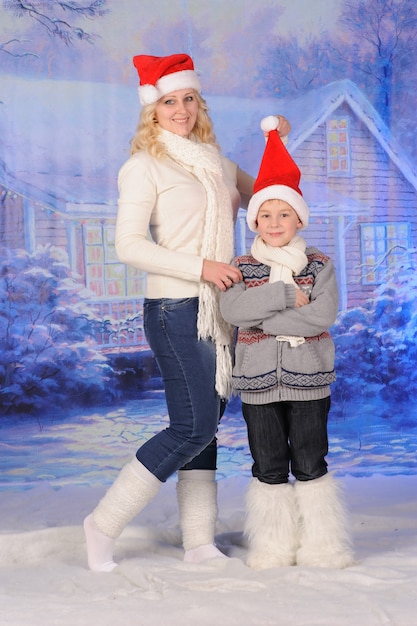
<point>254,275</point>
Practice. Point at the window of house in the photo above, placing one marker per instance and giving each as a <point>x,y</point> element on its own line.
<point>381,245</point>
<point>105,275</point>
<point>338,146</point>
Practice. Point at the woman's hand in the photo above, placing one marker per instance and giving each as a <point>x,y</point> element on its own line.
<point>284,127</point>
<point>220,274</point>
<point>283,130</point>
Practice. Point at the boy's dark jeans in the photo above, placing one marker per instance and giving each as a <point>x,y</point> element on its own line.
<point>288,436</point>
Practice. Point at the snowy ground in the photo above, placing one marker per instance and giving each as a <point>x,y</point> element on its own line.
<point>44,580</point>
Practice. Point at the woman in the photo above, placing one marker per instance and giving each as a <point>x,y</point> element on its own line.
<point>177,185</point>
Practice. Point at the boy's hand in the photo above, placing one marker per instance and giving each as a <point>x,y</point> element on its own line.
<point>301,298</point>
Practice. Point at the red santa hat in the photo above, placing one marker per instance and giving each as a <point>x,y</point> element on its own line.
<point>278,178</point>
<point>161,75</point>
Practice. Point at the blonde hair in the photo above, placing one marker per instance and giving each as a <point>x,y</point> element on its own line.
<point>147,131</point>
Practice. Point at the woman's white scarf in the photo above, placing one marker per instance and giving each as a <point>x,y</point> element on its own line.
<point>285,262</point>
<point>204,162</point>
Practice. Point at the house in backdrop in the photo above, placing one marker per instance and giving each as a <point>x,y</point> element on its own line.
<point>58,186</point>
<point>359,185</point>
<point>361,190</point>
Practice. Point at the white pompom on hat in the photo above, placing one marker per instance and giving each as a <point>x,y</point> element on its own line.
<point>159,76</point>
<point>271,122</point>
<point>278,178</point>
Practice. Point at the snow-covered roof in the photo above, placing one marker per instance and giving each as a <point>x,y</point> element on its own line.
<point>236,117</point>
<point>62,143</point>
<point>329,98</point>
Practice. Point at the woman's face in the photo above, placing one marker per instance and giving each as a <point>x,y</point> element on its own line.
<point>177,112</point>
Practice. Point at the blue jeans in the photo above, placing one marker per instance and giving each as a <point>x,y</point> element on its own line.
<point>288,434</point>
<point>188,369</point>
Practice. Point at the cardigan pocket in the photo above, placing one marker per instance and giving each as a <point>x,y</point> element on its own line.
<point>310,365</point>
<point>253,361</point>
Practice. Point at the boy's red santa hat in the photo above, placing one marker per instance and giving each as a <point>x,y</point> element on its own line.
<point>159,76</point>
<point>278,178</point>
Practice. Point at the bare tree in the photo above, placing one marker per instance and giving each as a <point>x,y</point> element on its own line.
<point>56,18</point>
<point>293,67</point>
<point>7,48</point>
<point>383,44</point>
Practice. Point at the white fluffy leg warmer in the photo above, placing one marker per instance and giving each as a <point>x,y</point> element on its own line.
<point>134,487</point>
<point>271,525</point>
<point>197,503</point>
<point>324,538</point>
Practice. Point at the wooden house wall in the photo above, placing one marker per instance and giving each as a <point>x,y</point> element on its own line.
<point>376,183</point>
<point>12,230</point>
<point>16,231</point>
<point>321,233</point>
<point>50,228</point>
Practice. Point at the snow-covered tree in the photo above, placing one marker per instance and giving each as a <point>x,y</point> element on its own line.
<point>376,344</point>
<point>48,354</point>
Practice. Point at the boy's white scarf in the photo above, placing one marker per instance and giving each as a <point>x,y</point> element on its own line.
<point>285,262</point>
<point>204,162</point>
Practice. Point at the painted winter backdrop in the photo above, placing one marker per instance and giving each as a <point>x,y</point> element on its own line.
<point>79,390</point>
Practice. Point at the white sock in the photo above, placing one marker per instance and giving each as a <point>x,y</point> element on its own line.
<point>132,490</point>
<point>202,553</point>
<point>197,500</point>
<point>99,547</point>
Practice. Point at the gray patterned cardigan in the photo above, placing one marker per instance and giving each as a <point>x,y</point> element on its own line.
<point>266,370</point>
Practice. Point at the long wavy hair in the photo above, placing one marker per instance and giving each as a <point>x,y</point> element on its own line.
<point>147,131</point>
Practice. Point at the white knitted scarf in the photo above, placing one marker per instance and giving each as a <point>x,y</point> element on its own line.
<point>204,162</point>
<point>285,262</point>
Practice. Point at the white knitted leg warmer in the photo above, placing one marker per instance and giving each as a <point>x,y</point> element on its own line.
<point>324,537</point>
<point>271,525</point>
<point>197,503</point>
<point>134,487</point>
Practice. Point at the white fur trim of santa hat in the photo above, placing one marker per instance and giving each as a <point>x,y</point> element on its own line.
<point>187,79</point>
<point>277,192</point>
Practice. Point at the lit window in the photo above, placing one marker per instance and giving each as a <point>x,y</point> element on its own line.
<point>338,147</point>
<point>381,245</point>
<point>105,275</point>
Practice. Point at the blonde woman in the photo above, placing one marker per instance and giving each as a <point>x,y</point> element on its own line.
<point>177,186</point>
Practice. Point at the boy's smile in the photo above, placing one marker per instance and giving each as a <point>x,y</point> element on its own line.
<point>278,223</point>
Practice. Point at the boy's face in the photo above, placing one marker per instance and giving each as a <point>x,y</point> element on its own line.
<point>277,222</point>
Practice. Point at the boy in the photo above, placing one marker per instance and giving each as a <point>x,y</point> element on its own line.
<point>284,365</point>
